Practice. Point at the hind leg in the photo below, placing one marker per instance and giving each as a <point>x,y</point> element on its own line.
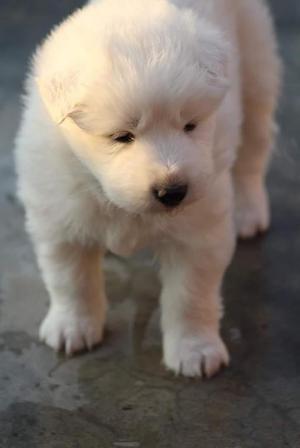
<point>252,202</point>
<point>260,69</point>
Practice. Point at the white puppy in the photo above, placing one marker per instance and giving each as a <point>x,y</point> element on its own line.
<point>140,118</point>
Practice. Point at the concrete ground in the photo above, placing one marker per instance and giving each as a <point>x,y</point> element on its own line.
<point>119,395</point>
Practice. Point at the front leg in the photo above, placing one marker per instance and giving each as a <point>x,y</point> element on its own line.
<point>191,303</point>
<point>77,310</point>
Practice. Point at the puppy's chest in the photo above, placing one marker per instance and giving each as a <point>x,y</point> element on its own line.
<point>125,237</point>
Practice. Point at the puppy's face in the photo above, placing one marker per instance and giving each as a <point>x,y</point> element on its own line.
<point>144,118</point>
<point>157,164</point>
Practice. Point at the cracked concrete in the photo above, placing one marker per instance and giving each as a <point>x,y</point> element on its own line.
<point>119,395</point>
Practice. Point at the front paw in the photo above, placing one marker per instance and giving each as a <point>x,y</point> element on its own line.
<point>71,331</point>
<point>195,356</point>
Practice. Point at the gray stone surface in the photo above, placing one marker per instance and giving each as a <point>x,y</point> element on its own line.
<point>119,395</point>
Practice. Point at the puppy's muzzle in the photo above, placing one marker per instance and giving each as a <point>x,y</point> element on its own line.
<point>171,195</point>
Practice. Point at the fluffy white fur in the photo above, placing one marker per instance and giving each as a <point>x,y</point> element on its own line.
<point>148,67</point>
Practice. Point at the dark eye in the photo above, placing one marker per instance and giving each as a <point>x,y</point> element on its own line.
<point>125,137</point>
<point>189,127</point>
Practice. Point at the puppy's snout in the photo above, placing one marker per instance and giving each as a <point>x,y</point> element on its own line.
<point>171,195</point>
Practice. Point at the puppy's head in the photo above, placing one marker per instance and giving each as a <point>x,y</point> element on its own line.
<point>136,94</point>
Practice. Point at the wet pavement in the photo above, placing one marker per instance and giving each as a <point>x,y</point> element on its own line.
<point>119,395</point>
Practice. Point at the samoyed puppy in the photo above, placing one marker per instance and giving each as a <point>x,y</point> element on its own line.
<point>148,123</point>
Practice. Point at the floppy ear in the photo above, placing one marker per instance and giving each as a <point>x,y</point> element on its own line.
<point>215,92</point>
<point>213,57</point>
<point>60,95</point>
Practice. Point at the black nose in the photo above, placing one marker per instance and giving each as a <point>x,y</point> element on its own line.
<point>172,195</point>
